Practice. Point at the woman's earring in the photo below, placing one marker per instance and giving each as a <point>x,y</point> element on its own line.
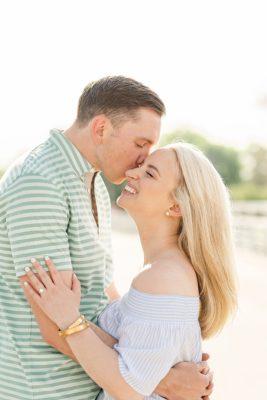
<point>167,213</point>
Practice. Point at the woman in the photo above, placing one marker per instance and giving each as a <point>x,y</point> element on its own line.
<point>186,290</point>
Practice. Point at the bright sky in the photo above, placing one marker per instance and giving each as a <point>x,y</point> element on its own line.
<point>207,60</point>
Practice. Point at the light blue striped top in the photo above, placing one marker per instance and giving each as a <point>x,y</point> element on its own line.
<point>154,333</point>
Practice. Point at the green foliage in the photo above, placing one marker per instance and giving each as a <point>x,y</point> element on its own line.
<point>248,191</point>
<point>258,160</point>
<point>226,161</point>
<point>1,172</point>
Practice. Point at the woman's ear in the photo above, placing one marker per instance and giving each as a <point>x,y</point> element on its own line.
<point>175,211</point>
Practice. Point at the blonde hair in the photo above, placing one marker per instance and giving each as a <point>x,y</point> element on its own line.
<point>205,235</point>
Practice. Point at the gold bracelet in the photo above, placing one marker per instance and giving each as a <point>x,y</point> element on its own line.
<point>77,328</point>
<point>78,321</point>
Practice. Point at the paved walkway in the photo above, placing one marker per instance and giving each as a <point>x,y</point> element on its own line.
<point>239,353</point>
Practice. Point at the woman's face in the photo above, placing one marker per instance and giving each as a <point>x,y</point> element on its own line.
<point>149,188</point>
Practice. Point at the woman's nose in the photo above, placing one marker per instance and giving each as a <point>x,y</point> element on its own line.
<point>132,173</point>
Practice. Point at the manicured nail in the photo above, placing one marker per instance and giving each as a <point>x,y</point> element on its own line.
<point>33,260</point>
<point>47,258</point>
<point>27,269</point>
<point>25,283</point>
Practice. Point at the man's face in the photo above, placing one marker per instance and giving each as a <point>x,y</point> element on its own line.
<point>127,146</point>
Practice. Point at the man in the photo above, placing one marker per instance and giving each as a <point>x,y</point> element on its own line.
<point>54,203</point>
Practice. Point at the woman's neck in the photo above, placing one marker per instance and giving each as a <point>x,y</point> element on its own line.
<point>157,241</point>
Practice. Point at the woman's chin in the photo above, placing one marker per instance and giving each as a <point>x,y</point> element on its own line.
<point>125,200</point>
<point>119,202</point>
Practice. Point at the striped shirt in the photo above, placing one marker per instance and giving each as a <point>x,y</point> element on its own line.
<point>45,210</point>
<point>154,333</point>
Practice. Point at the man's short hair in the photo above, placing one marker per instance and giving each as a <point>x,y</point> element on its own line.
<point>118,97</point>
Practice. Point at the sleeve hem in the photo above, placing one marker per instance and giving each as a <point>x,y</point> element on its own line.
<point>134,386</point>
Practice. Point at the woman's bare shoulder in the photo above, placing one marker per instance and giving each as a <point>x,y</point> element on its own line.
<point>167,277</point>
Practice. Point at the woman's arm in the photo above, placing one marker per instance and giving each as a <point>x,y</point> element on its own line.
<point>101,364</point>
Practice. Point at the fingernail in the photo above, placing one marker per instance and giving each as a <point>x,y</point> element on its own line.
<point>47,258</point>
<point>27,269</point>
<point>25,283</point>
<point>33,260</point>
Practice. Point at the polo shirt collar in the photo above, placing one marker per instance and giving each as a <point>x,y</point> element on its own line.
<point>74,158</point>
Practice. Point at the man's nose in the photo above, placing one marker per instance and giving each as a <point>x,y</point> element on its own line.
<point>141,159</point>
<point>144,153</point>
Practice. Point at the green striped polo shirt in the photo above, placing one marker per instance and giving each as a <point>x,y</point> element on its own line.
<point>45,210</point>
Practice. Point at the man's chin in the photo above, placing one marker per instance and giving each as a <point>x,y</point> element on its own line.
<point>117,181</point>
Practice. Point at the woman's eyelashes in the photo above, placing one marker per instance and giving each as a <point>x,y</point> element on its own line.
<point>149,174</point>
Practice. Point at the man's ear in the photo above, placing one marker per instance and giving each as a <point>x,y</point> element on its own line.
<point>175,211</point>
<point>99,125</point>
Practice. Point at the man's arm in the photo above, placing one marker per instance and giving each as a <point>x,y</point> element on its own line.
<point>187,381</point>
<point>41,224</point>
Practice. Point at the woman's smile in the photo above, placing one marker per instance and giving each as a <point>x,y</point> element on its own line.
<point>129,190</point>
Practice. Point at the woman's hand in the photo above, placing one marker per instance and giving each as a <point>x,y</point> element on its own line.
<point>50,293</point>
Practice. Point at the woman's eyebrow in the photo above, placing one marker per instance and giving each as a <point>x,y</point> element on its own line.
<point>153,167</point>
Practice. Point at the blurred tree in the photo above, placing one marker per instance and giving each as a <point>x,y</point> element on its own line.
<point>248,191</point>
<point>225,159</point>
<point>258,160</point>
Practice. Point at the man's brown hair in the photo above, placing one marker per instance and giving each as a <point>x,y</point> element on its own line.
<point>118,97</point>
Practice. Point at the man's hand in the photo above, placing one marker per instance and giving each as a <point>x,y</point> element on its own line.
<point>187,381</point>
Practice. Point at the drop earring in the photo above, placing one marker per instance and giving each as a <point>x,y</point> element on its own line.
<point>167,213</point>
